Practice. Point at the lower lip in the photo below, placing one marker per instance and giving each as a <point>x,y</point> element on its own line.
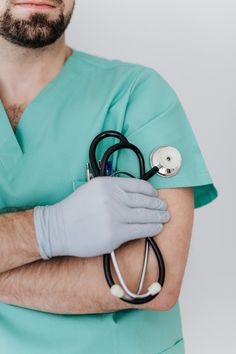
<point>37,7</point>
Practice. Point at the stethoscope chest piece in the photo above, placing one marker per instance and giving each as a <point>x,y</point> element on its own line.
<point>167,159</point>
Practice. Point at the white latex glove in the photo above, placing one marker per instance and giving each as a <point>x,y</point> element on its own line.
<point>98,217</point>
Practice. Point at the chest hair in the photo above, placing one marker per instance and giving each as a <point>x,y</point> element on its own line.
<point>14,113</point>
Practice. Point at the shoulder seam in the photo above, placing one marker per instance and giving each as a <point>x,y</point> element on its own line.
<point>143,68</point>
<point>111,65</point>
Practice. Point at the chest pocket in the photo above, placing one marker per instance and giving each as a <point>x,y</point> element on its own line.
<point>76,183</point>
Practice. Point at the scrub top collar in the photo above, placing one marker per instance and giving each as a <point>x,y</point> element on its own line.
<point>13,145</point>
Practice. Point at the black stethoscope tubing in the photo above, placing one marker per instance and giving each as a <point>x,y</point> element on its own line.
<point>101,171</point>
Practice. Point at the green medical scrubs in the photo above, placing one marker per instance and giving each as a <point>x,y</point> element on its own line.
<point>44,161</point>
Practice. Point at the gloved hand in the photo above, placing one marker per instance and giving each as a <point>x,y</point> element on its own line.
<point>98,217</point>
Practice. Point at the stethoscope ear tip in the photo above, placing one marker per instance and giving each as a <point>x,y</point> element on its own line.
<point>117,291</point>
<point>154,288</point>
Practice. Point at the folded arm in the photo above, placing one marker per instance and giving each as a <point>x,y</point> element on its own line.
<point>17,240</point>
<point>72,285</point>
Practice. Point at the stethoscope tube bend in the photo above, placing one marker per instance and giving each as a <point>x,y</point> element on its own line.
<point>122,291</point>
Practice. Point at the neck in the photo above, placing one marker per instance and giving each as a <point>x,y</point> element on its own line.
<point>24,72</point>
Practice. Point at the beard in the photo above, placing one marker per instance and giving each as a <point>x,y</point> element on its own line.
<point>36,32</point>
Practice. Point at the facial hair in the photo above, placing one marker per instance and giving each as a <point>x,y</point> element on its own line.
<point>37,31</point>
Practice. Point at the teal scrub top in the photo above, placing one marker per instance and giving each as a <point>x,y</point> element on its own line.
<point>44,161</point>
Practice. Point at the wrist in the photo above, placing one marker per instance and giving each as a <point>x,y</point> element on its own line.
<point>32,247</point>
<point>40,216</point>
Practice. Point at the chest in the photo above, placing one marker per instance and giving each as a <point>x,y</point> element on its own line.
<point>45,160</point>
<point>14,113</point>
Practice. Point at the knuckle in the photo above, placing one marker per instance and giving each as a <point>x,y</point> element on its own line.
<point>148,203</point>
<point>135,199</point>
<point>127,200</point>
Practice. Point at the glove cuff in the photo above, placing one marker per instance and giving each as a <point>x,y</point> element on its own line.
<point>42,231</point>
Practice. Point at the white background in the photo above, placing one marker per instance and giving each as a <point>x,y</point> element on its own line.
<point>191,43</point>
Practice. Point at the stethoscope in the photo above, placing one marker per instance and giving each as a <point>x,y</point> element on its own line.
<point>166,162</point>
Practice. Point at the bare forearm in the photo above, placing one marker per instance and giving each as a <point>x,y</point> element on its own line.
<point>17,240</point>
<point>70,285</point>
<point>77,285</point>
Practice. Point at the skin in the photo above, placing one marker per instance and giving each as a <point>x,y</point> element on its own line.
<point>72,285</point>
<point>25,71</point>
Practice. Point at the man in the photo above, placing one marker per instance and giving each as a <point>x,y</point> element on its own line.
<point>54,227</point>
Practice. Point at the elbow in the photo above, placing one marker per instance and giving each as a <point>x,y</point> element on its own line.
<point>167,304</point>
<point>164,301</point>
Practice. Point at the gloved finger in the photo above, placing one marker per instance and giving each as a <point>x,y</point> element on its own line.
<point>135,185</point>
<point>137,200</point>
<point>144,230</point>
<point>143,215</point>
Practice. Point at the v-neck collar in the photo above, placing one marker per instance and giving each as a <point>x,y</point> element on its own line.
<point>14,145</point>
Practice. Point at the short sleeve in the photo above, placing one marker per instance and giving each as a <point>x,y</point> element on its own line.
<point>154,117</point>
